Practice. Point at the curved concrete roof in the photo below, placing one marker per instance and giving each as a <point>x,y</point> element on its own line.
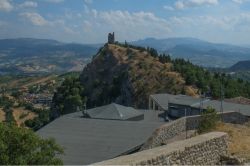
<point>87,140</point>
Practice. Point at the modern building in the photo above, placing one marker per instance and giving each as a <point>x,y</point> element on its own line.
<point>100,136</point>
<point>177,106</point>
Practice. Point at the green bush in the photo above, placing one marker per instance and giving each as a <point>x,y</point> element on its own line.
<point>9,116</point>
<point>209,119</point>
<point>6,102</point>
<point>38,122</point>
<point>20,146</point>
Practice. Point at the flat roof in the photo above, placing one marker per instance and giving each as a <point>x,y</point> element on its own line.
<point>88,141</point>
<point>164,99</point>
<point>227,107</point>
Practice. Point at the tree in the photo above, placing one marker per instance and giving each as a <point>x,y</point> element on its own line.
<point>209,119</point>
<point>20,146</point>
<point>69,96</point>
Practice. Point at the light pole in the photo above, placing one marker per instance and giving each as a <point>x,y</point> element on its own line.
<point>186,120</point>
<point>221,98</point>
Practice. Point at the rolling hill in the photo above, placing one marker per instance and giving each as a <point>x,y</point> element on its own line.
<point>241,66</point>
<point>27,55</point>
<point>198,51</point>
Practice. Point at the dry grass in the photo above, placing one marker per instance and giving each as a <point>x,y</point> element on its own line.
<point>191,91</point>
<point>2,115</point>
<point>38,81</point>
<point>148,75</point>
<point>239,138</point>
<point>19,112</point>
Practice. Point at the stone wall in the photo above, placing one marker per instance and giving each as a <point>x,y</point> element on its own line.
<point>165,132</point>
<point>174,128</point>
<point>192,122</point>
<point>204,149</point>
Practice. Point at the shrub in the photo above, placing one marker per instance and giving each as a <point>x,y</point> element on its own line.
<point>209,119</point>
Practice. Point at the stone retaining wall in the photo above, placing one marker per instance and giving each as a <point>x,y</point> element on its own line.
<point>174,128</point>
<point>192,122</point>
<point>165,132</point>
<point>204,149</point>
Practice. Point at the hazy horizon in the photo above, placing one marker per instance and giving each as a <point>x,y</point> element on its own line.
<point>89,21</point>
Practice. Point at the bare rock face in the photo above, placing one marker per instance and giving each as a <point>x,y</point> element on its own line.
<point>127,76</point>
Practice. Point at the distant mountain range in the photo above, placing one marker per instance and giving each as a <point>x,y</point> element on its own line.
<point>198,51</point>
<point>27,55</point>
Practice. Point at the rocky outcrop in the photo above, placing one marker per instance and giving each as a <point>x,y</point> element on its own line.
<point>127,76</point>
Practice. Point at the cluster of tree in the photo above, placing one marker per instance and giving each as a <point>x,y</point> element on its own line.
<point>152,51</point>
<point>127,45</point>
<point>214,84</point>
<point>107,92</point>
<point>9,118</point>
<point>6,102</point>
<point>41,120</point>
<point>20,146</point>
<point>69,97</point>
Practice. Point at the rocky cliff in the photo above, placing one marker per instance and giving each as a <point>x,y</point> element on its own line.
<point>128,76</point>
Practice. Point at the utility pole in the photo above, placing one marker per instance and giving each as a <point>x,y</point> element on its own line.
<point>186,120</point>
<point>201,102</point>
<point>221,98</point>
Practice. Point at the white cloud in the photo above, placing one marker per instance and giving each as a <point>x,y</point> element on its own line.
<point>129,25</point>
<point>35,19</point>
<point>88,1</point>
<point>30,4</point>
<point>5,5</point>
<point>181,4</point>
<point>87,26</point>
<point>240,1</point>
<point>212,24</point>
<point>55,1</point>
<point>69,30</point>
<point>169,8</point>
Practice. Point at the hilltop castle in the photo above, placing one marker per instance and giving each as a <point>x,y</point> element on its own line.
<point>111,38</point>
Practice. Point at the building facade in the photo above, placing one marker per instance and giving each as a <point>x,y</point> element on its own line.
<point>177,106</point>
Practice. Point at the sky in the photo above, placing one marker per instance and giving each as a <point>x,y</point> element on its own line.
<point>89,21</point>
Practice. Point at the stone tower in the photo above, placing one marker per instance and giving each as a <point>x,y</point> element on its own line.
<point>111,38</point>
